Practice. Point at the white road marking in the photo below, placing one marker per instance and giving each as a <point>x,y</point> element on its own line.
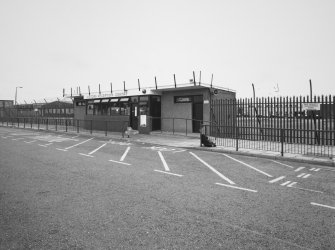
<point>121,162</point>
<point>292,184</point>
<point>119,143</point>
<point>283,164</point>
<point>213,169</point>
<point>285,183</point>
<point>86,155</point>
<point>179,175</point>
<point>95,150</point>
<point>316,170</point>
<point>301,175</point>
<point>79,143</point>
<point>44,145</point>
<point>179,151</point>
<point>17,139</point>
<point>241,188</point>
<point>75,136</point>
<point>125,154</point>
<point>30,141</point>
<point>277,179</point>
<point>249,166</point>
<point>298,169</point>
<point>306,176</point>
<point>311,190</point>
<point>166,167</point>
<point>61,149</point>
<point>312,169</point>
<point>321,205</point>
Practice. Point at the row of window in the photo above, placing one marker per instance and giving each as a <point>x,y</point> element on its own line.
<point>118,106</point>
<point>56,111</point>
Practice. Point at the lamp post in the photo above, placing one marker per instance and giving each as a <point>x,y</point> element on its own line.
<point>16,94</point>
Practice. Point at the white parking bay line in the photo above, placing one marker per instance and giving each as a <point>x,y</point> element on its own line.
<point>179,175</point>
<point>321,205</point>
<point>79,143</point>
<point>95,150</point>
<point>249,166</point>
<point>292,184</point>
<point>306,176</point>
<point>163,161</point>
<point>125,154</point>
<point>298,169</point>
<point>283,164</point>
<point>213,169</point>
<point>86,155</point>
<point>30,141</point>
<point>241,188</point>
<point>121,162</point>
<point>61,149</point>
<point>285,183</point>
<point>44,145</point>
<point>277,179</point>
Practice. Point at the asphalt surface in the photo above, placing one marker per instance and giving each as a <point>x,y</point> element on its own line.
<point>62,191</point>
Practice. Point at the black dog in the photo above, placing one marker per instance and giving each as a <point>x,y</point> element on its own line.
<point>206,141</point>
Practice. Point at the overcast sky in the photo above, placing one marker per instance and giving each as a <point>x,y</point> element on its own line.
<point>48,45</point>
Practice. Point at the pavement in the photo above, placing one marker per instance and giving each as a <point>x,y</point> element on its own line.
<point>192,141</point>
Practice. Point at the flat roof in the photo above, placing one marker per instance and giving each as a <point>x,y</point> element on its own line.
<point>150,91</point>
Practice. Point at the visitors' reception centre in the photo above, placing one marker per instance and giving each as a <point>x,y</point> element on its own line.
<point>182,108</point>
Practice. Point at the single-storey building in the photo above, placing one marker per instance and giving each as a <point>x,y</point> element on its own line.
<point>180,109</point>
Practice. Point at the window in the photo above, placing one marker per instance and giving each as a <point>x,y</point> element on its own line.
<point>124,108</point>
<point>90,108</point>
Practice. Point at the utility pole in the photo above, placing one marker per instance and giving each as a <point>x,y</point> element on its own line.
<point>16,94</point>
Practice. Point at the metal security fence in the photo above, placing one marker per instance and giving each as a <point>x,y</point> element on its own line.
<point>67,125</point>
<point>287,125</point>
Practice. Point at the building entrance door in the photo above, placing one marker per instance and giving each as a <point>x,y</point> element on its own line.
<point>197,113</point>
<point>134,116</point>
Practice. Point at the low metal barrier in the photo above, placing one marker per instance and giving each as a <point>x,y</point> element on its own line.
<point>272,139</point>
<point>67,125</point>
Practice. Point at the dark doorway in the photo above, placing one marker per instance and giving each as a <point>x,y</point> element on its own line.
<point>155,107</point>
<point>134,116</point>
<point>197,113</point>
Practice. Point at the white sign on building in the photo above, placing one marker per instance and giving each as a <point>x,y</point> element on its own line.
<point>310,106</point>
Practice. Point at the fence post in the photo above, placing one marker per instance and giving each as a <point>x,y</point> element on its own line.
<point>106,123</point>
<point>65,125</point>
<point>47,127</point>
<point>91,126</point>
<point>237,135</point>
<point>56,124</point>
<point>173,125</point>
<point>186,127</point>
<point>38,124</point>
<point>282,134</point>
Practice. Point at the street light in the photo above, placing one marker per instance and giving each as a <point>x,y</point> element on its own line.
<point>16,94</point>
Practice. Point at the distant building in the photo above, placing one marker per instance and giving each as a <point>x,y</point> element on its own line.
<point>4,105</point>
<point>55,109</point>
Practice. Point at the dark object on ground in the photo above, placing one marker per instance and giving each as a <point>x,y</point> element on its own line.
<point>206,141</point>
